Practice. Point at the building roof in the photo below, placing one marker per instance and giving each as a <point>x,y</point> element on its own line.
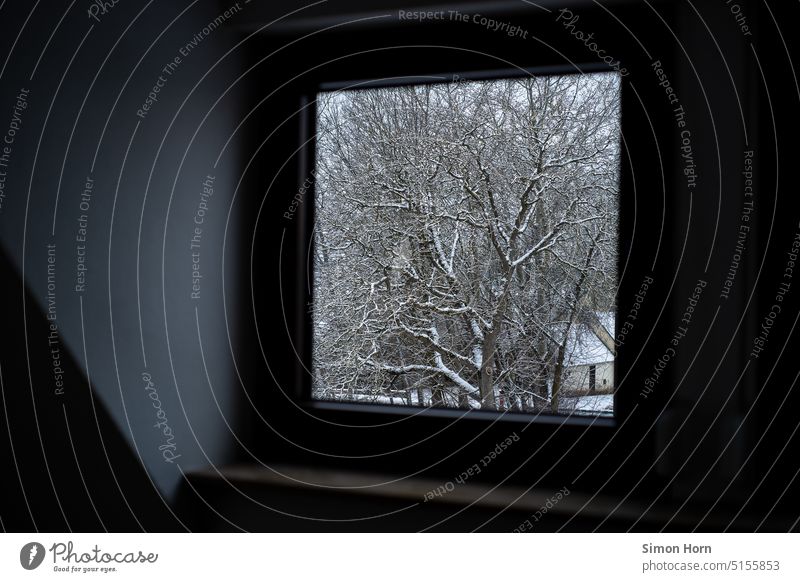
<point>584,347</point>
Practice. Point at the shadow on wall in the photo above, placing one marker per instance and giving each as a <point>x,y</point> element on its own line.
<point>68,466</point>
<point>118,207</point>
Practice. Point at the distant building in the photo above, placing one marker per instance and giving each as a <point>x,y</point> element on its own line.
<point>588,362</point>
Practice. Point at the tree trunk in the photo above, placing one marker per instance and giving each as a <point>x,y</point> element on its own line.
<point>486,382</point>
<point>559,368</point>
<point>540,388</point>
<point>559,365</point>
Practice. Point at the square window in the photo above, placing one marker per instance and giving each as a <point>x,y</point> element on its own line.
<point>465,243</point>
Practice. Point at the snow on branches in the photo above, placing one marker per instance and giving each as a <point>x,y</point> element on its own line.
<point>466,234</point>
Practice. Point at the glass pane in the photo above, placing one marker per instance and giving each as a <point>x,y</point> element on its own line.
<point>466,244</point>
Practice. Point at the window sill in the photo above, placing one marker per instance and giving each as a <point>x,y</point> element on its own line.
<point>513,499</point>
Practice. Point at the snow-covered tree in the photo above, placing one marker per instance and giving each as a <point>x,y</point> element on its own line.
<point>462,231</point>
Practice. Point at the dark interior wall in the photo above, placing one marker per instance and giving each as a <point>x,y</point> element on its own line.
<point>129,316</point>
<point>707,439</point>
<point>89,453</point>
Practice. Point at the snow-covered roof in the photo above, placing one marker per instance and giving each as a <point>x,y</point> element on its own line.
<point>584,347</point>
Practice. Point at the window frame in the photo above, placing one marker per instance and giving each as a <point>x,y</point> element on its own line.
<point>321,432</point>
<point>308,167</point>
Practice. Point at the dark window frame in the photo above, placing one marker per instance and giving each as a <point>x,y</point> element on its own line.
<point>306,331</point>
<point>346,433</point>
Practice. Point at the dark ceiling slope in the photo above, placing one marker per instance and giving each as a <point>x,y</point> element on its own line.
<point>79,473</point>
